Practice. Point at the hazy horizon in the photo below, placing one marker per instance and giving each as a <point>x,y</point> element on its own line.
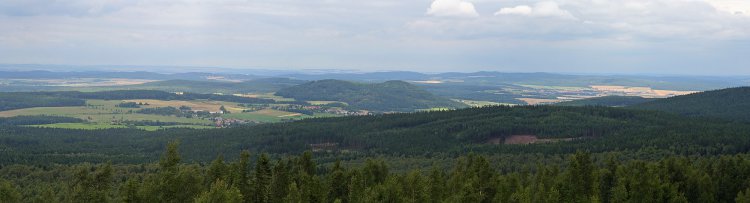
<point>270,71</point>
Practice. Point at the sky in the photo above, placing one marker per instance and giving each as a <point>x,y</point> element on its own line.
<point>694,37</point>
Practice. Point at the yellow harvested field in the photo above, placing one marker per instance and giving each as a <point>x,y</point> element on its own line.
<point>247,95</point>
<point>292,115</point>
<point>321,102</point>
<point>640,91</point>
<point>534,101</point>
<point>277,113</point>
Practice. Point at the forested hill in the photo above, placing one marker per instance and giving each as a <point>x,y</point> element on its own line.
<point>730,104</point>
<point>387,96</point>
<point>613,101</point>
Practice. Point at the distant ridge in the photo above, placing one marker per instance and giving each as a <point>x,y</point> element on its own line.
<point>264,85</point>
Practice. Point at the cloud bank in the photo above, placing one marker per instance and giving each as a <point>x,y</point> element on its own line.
<point>452,8</point>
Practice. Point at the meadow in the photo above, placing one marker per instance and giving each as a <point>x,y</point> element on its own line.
<point>106,114</point>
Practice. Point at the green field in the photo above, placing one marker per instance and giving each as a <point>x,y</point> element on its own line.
<point>104,114</point>
<point>434,109</point>
<point>82,126</point>
<point>474,103</point>
<point>269,115</point>
<point>272,96</point>
<point>98,112</point>
<point>564,88</point>
<point>96,126</point>
<point>324,102</point>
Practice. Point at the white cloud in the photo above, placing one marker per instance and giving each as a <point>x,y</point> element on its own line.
<point>452,8</point>
<point>540,9</point>
<point>518,10</point>
<point>737,7</point>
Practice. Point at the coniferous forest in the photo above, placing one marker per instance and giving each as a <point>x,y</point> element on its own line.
<point>578,177</point>
<point>600,154</point>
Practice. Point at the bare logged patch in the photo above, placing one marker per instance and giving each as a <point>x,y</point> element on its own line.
<point>524,139</point>
<point>534,101</point>
<point>520,139</point>
<point>495,140</point>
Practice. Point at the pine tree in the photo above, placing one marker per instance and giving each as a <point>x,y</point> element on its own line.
<point>92,188</point>
<point>306,164</point>
<point>743,196</point>
<point>242,176</point>
<point>415,187</point>
<point>436,183</point>
<point>220,192</point>
<point>279,181</point>
<point>168,185</point>
<point>580,178</point>
<point>173,182</point>
<point>338,183</point>
<point>356,187</point>
<point>607,179</point>
<point>217,170</point>
<point>129,191</point>
<point>262,179</point>
<point>8,192</point>
<point>293,195</point>
<point>375,171</point>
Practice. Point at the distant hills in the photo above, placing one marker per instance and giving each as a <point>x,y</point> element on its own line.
<point>251,86</point>
<point>493,78</point>
<point>612,101</point>
<point>43,74</point>
<point>482,78</point>
<point>731,104</point>
<point>386,96</point>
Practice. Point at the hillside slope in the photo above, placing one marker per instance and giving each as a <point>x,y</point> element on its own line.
<point>730,104</point>
<point>387,96</point>
<point>612,101</point>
